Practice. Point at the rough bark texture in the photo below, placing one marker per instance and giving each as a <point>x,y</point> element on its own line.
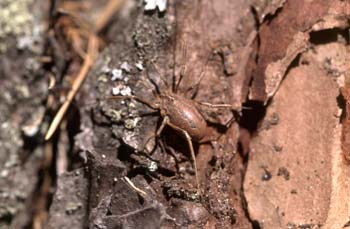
<point>282,163</point>
<point>171,191</point>
<point>23,90</point>
<point>297,173</point>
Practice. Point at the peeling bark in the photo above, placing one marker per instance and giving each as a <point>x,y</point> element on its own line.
<point>283,162</point>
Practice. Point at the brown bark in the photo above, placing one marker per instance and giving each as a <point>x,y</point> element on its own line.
<point>282,163</point>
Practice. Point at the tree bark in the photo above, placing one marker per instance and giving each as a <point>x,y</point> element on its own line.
<point>279,158</point>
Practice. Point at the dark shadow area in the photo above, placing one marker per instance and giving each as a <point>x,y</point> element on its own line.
<point>341,101</point>
<point>253,113</point>
<point>328,36</point>
<point>252,116</point>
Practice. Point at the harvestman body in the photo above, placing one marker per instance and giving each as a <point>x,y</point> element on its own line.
<point>180,113</point>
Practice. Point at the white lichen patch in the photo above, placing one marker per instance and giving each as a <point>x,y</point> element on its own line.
<point>32,125</point>
<point>15,17</point>
<point>153,166</point>
<point>4,173</point>
<point>153,4</point>
<point>115,115</point>
<point>17,20</point>
<point>117,74</point>
<point>121,90</point>
<point>125,66</point>
<point>139,65</point>
<point>131,123</point>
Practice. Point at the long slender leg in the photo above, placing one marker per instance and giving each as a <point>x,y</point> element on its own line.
<point>154,106</point>
<point>172,153</point>
<point>159,74</point>
<point>183,67</point>
<point>155,85</point>
<point>195,86</point>
<point>159,131</point>
<point>210,105</point>
<point>223,105</point>
<point>153,113</point>
<point>236,112</point>
<point>149,85</point>
<point>189,141</point>
<point>190,145</point>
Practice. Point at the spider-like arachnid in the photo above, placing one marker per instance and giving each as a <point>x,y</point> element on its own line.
<point>179,111</point>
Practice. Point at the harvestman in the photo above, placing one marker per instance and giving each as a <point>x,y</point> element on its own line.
<point>179,112</point>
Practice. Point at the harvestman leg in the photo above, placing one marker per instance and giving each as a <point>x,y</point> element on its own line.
<point>172,153</point>
<point>195,86</point>
<point>182,70</point>
<point>222,105</point>
<point>188,138</point>
<point>159,131</point>
<point>210,105</point>
<point>154,107</point>
<point>159,74</point>
<point>189,141</point>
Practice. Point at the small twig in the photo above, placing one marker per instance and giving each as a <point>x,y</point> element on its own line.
<point>138,190</point>
<point>103,19</point>
<point>75,36</point>
<point>92,50</point>
<point>107,13</point>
